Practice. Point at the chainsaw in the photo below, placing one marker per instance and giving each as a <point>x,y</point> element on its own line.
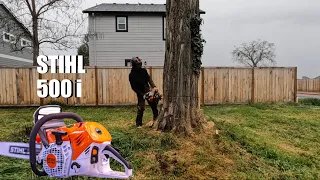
<point>153,96</point>
<point>61,151</point>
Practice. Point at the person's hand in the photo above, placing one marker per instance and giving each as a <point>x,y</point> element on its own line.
<point>155,89</point>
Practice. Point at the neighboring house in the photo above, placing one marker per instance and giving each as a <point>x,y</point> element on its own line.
<point>118,32</point>
<point>15,44</point>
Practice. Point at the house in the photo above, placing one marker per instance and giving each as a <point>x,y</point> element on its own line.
<point>15,44</point>
<point>118,32</point>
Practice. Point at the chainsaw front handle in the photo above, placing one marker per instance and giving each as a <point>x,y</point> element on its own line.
<point>35,130</point>
<point>111,152</point>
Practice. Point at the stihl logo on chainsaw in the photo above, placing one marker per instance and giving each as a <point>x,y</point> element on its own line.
<point>19,150</point>
<point>51,161</point>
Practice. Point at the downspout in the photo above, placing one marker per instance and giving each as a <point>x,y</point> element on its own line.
<point>94,40</point>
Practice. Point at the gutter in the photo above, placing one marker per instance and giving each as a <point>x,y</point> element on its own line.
<point>155,12</point>
<point>94,39</point>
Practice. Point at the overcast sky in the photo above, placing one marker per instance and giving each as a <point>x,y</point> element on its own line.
<point>293,25</point>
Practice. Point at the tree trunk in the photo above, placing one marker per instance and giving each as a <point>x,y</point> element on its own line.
<point>35,38</point>
<point>180,112</point>
<point>35,45</point>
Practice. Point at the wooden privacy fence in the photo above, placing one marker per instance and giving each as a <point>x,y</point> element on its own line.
<point>309,85</point>
<point>110,86</point>
<point>245,85</point>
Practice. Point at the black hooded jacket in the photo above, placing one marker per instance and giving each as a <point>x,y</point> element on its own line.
<point>140,81</point>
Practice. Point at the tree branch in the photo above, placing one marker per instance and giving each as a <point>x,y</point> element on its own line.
<point>29,6</point>
<point>50,3</point>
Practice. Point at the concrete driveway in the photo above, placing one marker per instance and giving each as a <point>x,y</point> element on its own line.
<point>308,95</point>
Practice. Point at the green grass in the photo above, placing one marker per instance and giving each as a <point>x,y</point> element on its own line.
<point>269,140</point>
<point>262,141</point>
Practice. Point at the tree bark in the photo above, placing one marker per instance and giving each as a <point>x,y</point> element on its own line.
<point>35,42</point>
<point>180,112</point>
<point>35,37</point>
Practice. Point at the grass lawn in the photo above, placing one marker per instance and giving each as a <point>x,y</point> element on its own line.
<point>263,141</point>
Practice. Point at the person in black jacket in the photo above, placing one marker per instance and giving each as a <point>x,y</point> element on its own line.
<point>141,83</point>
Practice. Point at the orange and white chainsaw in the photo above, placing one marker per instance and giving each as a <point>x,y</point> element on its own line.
<point>61,151</point>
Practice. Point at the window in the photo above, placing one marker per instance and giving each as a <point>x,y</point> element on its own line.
<point>127,62</point>
<point>7,37</point>
<point>164,25</point>
<point>25,43</point>
<point>121,23</point>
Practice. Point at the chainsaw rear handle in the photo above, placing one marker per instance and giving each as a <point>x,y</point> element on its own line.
<point>35,130</point>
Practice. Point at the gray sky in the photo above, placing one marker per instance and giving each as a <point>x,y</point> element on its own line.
<point>293,25</point>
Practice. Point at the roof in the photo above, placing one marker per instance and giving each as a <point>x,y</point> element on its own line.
<point>139,8</point>
<point>15,17</point>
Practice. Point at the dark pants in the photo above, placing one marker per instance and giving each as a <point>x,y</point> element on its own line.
<point>141,108</point>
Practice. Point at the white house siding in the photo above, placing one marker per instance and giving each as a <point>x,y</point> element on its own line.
<point>144,39</point>
<point>22,58</point>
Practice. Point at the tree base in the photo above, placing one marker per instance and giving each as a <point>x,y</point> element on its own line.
<point>193,122</point>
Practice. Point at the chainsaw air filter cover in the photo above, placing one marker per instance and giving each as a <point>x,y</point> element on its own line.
<point>57,160</point>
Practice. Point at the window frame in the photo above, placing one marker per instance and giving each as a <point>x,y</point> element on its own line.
<point>126,23</point>
<point>28,41</point>
<point>164,27</point>
<point>10,35</point>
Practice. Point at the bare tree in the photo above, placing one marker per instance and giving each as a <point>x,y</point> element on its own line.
<point>57,23</point>
<point>255,53</point>
<point>181,112</point>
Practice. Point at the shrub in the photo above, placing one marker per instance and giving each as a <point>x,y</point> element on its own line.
<point>310,101</point>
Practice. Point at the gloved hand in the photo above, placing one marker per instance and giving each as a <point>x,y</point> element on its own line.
<point>155,89</point>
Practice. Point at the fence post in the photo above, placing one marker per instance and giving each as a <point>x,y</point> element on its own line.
<point>295,84</point>
<point>252,86</point>
<point>96,84</point>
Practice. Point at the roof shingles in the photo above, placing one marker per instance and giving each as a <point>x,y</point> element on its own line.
<point>113,7</point>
